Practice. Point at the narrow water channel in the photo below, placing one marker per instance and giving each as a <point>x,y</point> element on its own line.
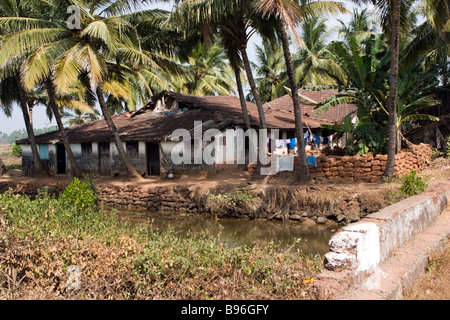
<point>239,232</point>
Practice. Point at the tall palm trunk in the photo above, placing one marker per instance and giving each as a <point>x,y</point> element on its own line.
<point>241,93</point>
<point>3,169</point>
<point>131,171</point>
<point>29,126</point>
<point>251,81</point>
<point>392,102</point>
<point>303,171</point>
<point>75,168</point>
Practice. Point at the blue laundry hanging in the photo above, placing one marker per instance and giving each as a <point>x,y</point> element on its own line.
<point>292,143</point>
<point>311,160</point>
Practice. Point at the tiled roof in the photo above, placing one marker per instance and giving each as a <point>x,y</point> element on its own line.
<point>145,125</point>
<point>334,115</point>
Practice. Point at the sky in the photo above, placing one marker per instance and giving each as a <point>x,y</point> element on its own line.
<point>40,120</point>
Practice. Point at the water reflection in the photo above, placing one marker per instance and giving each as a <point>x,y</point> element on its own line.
<point>238,232</point>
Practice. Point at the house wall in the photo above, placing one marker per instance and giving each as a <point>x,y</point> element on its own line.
<point>27,160</point>
<point>47,153</point>
<point>167,164</point>
<point>139,162</point>
<point>89,163</point>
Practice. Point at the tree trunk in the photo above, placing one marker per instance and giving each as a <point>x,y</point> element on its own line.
<point>29,126</point>
<point>3,169</point>
<point>392,102</point>
<point>241,94</point>
<point>131,171</point>
<point>303,171</point>
<point>251,81</point>
<point>75,168</point>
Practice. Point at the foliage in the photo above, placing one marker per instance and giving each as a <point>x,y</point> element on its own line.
<point>79,195</point>
<point>16,150</point>
<point>232,201</point>
<point>412,184</point>
<point>123,260</point>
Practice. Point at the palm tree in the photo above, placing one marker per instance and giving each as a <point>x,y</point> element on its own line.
<point>287,13</point>
<point>394,17</point>
<point>312,65</point>
<point>270,67</point>
<point>17,94</point>
<point>235,62</point>
<point>28,42</point>
<point>431,38</point>
<point>235,20</point>
<point>206,72</point>
<point>393,88</point>
<point>105,43</point>
<point>78,117</point>
<point>361,25</point>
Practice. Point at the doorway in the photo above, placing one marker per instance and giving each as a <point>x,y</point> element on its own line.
<point>104,166</point>
<point>61,167</point>
<point>153,161</point>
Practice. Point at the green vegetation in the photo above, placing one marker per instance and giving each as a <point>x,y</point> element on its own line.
<point>413,184</point>
<point>406,186</point>
<point>123,53</point>
<point>16,150</point>
<point>41,238</point>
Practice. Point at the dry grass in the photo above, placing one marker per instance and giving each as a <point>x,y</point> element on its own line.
<point>13,163</point>
<point>435,283</point>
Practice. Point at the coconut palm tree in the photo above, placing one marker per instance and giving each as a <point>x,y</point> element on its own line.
<point>270,67</point>
<point>29,35</point>
<point>236,20</point>
<point>10,78</point>
<point>394,17</point>
<point>312,65</point>
<point>206,72</point>
<point>232,53</point>
<point>288,13</point>
<point>361,25</point>
<point>431,38</point>
<point>106,42</point>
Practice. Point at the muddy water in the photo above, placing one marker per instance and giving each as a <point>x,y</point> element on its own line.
<point>238,232</point>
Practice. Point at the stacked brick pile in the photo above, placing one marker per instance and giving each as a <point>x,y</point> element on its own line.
<point>367,168</point>
<point>412,159</point>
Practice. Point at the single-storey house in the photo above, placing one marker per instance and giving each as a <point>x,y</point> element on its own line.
<point>147,134</point>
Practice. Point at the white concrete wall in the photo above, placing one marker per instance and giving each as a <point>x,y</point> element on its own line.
<point>362,246</point>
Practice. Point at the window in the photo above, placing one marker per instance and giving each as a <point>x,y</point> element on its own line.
<point>86,150</point>
<point>133,149</point>
<point>43,151</point>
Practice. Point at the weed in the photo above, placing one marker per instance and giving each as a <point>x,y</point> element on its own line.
<point>413,184</point>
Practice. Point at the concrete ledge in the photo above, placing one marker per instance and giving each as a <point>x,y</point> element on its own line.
<point>358,250</point>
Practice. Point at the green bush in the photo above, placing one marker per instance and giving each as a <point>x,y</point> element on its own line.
<point>413,184</point>
<point>79,195</point>
<point>16,150</point>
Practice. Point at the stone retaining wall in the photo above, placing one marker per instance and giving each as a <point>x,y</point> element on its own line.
<point>368,168</point>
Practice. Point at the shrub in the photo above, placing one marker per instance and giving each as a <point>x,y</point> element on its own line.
<point>413,184</point>
<point>237,200</point>
<point>16,150</point>
<point>80,195</point>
